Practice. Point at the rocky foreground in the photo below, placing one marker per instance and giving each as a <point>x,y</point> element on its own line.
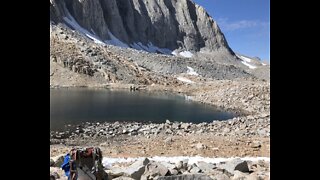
<point>183,169</point>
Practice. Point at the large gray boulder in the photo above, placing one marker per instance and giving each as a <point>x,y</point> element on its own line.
<point>243,176</point>
<point>171,167</point>
<point>235,164</point>
<point>186,177</point>
<point>58,160</point>
<point>239,175</point>
<point>207,168</point>
<point>154,169</point>
<point>135,170</point>
<point>195,170</point>
<point>168,165</point>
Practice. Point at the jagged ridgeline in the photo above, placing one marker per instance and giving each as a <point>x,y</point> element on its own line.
<point>165,24</point>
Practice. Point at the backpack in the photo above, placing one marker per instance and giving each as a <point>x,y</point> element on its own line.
<point>84,164</point>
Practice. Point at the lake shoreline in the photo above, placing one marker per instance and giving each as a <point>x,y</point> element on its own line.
<point>252,96</point>
<point>185,90</point>
<point>156,103</point>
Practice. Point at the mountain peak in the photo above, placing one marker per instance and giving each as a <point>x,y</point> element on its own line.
<point>164,25</point>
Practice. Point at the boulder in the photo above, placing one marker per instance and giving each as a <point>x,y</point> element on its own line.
<point>176,126</point>
<point>226,130</point>
<point>114,173</point>
<point>54,175</point>
<point>195,170</point>
<point>179,164</point>
<point>171,167</point>
<point>243,176</point>
<point>185,163</point>
<point>185,126</point>
<point>259,175</point>
<point>58,160</point>
<point>134,171</point>
<point>168,131</point>
<point>220,177</point>
<point>168,140</point>
<point>173,171</point>
<point>238,175</point>
<point>206,167</point>
<point>154,169</point>
<point>235,164</point>
<point>200,146</point>
<point>51,162</point>
<point>255,177</point>
<point>256,144</point>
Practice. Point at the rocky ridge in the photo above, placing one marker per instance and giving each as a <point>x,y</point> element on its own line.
<point>70,50</point>
<point>110,64</point>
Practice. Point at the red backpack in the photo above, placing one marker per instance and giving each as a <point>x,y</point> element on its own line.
<point>86,164</point>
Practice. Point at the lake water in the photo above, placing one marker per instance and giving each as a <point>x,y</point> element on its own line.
<point>75,106</point>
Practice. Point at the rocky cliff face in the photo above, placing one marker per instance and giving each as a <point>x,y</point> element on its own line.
<point>169,24</point>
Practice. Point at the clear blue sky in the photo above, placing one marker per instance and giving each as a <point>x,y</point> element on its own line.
<point>245,24</point>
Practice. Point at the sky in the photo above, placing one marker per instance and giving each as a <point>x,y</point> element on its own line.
<point>244,23</point>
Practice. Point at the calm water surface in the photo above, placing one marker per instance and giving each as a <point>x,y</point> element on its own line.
<point>74,106</point>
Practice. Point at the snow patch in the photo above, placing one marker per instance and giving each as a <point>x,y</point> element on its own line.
<point>155,48</point>
<point>249,65</point>
<point>196,159</point>
<point>263,64</point>
<point>74,24</point>
<point>183,79</point>
<point>244,58</point>
<point>174,53</point>
<point>95,39</point>
<point>186,54</point>
<point>246,61</point>
<point>108,162</point>
<point>150,48</point>
<point>191,71</point>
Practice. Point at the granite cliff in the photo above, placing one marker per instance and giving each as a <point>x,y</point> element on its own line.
<point>161,25</point>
